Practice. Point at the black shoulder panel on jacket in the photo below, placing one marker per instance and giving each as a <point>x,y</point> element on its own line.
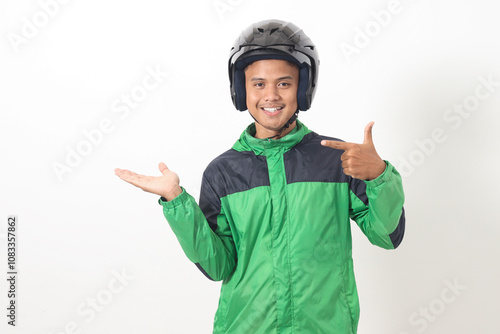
<point>358,187</point>
<point>309,161</point>
<point>234,172</point>
<point>229,173</point>
<point>399,232</point>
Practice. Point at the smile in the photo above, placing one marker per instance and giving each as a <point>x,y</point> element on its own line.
<point>272,111</point>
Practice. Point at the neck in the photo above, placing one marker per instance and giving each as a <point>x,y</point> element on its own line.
<point>263,133</point>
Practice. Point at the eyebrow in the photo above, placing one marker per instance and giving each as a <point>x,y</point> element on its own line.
<point>288,77</point>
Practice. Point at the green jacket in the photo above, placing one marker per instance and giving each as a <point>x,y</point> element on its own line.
<point>273,223</point>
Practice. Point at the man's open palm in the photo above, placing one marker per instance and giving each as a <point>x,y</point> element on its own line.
<point>360,161</point>
<point>166,185</point>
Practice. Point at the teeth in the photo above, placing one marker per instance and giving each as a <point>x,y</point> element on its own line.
<point>271,109</point>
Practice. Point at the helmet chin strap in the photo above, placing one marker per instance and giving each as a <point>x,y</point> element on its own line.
<point>286,126</point>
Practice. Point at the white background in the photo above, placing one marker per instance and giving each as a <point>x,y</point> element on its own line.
<point>78,230</point>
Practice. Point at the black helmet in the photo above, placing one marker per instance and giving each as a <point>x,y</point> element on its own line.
<point>274,39</point>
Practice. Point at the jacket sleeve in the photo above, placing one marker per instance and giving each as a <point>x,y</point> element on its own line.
<point>204,235</point>
<point>377,207</point>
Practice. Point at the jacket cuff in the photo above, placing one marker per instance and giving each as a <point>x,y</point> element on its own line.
<point>382,178</point>
<point>181,198</point>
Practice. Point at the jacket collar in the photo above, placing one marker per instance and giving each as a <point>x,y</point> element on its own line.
<point>248,142</point>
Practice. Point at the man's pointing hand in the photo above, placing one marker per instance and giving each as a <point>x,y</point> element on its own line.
<point>360,161</point>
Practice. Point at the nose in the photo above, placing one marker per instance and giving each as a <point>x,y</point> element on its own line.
<point>271,93</point>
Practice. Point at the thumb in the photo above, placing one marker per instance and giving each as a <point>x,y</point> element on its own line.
<point>163,168</point>
<point>368,133</point>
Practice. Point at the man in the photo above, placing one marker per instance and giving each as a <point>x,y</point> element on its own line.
<point>273,221</point>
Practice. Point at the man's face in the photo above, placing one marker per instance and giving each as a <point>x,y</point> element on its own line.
<point>271,89</point>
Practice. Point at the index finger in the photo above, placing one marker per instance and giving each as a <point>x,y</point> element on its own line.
<point>339,145</point>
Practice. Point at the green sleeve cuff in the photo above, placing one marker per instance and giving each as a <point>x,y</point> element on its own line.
<point>382,178</point>
<point>181,198</point>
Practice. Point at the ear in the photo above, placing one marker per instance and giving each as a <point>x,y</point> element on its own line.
<point>303,100</point>
<point>240,98</point>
